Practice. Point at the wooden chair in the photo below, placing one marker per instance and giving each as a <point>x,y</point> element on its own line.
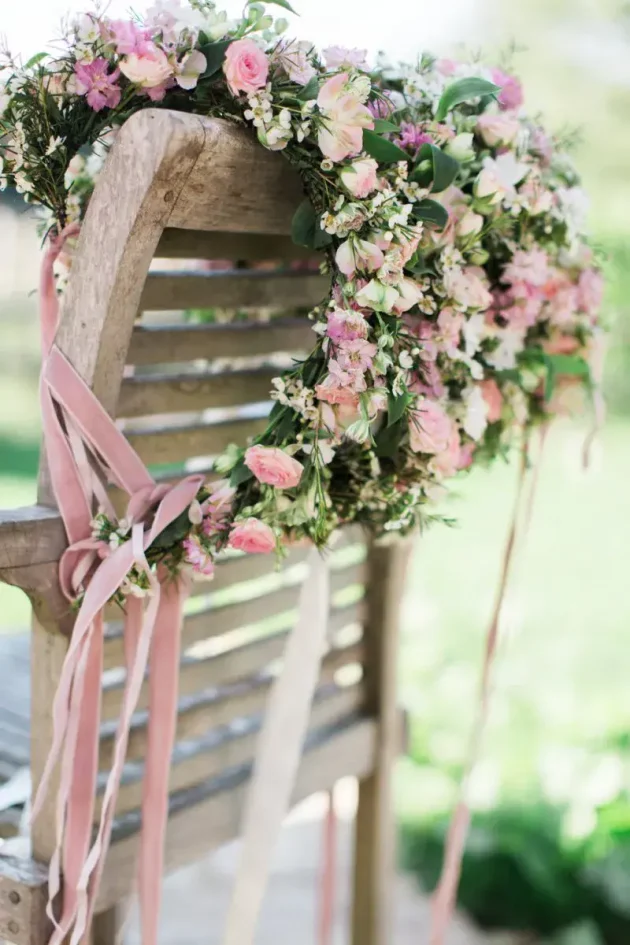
<point>179,187</point>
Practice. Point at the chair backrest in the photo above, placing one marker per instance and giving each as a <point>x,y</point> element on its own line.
<point>180,187</point>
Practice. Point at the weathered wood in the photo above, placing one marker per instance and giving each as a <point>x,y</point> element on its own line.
<point>166,291</point>
<point>106,927</point>
<point>29,536</point>
<point>180,343</point>
<point>208,816</point>
<point>252,190</point>
<point>374,855</point>
<point>247,247</point>
<point>161,394</point>
<point>160,444</point>
<point>23,895</point>
<point>193,764</point>
<point>199,715</point>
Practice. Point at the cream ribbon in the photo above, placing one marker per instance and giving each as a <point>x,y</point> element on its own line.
<point>278,753</point>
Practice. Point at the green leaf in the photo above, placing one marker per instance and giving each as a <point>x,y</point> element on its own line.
<point>278,3</point>
<point>463,91</point>
<point>444,167</point>
<point>385,152</point>
<point>215,54</point>
<point>382,126</point>
<point>388,439</point>
<point>568,364</point>
<point>431,212</point>
<point>240,474</point>
<point>417,264</point>
<point>305,228</point>
<point>397,406</point>
<point>35,59</point>
<point>309,91</point>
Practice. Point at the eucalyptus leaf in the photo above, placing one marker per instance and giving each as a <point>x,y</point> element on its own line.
<point>215,54</point>
<point>430,211</point>
<point>385,152</point>
<point>463,91</point>
<point>309,91</point>
<point>397,406</point>
<point>444,167</point>
<point>382,126</point>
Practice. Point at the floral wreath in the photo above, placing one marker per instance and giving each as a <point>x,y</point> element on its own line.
<point>464,299</point>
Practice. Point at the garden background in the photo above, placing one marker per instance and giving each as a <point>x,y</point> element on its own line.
<point>551,849</point>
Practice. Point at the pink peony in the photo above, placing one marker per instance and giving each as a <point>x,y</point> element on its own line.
<point>360,177</point>
<point>149,69</point>
<point>246,67</point>
<point>590,291</point>
<point>511,95</point>
<point>253,536</point>
<point>493,399</point>
<point>499,129</point>
<point>93,81</point>
<point>430,428</point>
<point>338,57</point>
<point>273,466</point>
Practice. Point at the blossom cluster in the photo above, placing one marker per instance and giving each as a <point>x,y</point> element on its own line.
<point>464,297</point>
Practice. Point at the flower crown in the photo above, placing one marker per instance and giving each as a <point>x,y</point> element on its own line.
<point>464,300</point>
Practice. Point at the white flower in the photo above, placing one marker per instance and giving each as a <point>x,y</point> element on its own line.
<point>475,419</point>
<point>195,513</point>
<point>379,297</point>
<point>499,176</point>
<point>53,144</point>
<point>473,331</point>
<point>504,357</point>
<point>87,29</point>
<point>461,147</point>
<point>22,184</point>
<point>574,205</point>
<point>5,98</point>
<point>405,360</point>
<point>190,69</point>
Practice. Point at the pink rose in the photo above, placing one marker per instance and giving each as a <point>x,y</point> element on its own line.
<point>511,95</point>
<point>273,466</point>
<point>430,428</point>
<point>360,177</point>
<point>253,536</point>
<point>246,67</point>
<point>498,129</point>
<point>149,69</point>
<point>493,399</point>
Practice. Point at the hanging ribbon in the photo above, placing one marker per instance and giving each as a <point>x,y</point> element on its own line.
<point>444,898</point>
<point>85,450</point>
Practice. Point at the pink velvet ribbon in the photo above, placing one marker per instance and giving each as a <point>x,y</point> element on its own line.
<point>85,450</point>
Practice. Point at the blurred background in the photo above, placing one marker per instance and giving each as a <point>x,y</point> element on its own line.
<point>549,854</point>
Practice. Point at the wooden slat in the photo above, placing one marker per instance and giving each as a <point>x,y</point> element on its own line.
<point>197,716</point>
<point>236,186</point>
<point>194,763</point>
<point>30,535</point>
<point>23,896</point>
<point>160,394</point>
<point>197,244</point>
<point>208,816</point>
<point>159,444</point>
<point>179,343</point>
<point>166,291</point>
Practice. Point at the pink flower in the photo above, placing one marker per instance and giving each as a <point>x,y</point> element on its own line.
<point>542,145</point>
<point>93,81</point>
<point>356,355</point>
<point>217,508</point>
<point>273,466</point>
<point>358,254</point>
<point>446,463</point>
<point>197,557</point>
<point>409,294</point>
<point>528,266</point>
<point>149,69</point>
<point>252,536</point>
<point>493,399</point>
<point>338,57</point>
<point>561,344</point>
<point>430,428</point>
<point>428,381</point>
<point>466,455</point>
<point>446,66</point>
<point>345,325</point>
<point>381,107</point>
<point>246,67</point>
<point>467,288</point>
<point>498,129</point>
<point>590,291</point>
<point>511,95</point>
<point>125,36</point>
<point>450,325</point>
<point>343,118</point>
<point>360,177</point>
<point>562,299</point>
<point>339,386</point>
<point>413,136</point>
<point>294,59</point>
<point>522,305</point>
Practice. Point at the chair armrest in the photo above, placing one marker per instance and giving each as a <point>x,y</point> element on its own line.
<point>30,536</point>
<point>23,895</point>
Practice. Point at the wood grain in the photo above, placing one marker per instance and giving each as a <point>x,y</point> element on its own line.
<point>23,894</point>
<point>180,343</point>
<point>252,247</point>
<point>30,536</point>
<point>166,291</point>
<point>160,444</point>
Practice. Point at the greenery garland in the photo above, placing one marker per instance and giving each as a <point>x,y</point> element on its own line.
<point>464,299</point>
